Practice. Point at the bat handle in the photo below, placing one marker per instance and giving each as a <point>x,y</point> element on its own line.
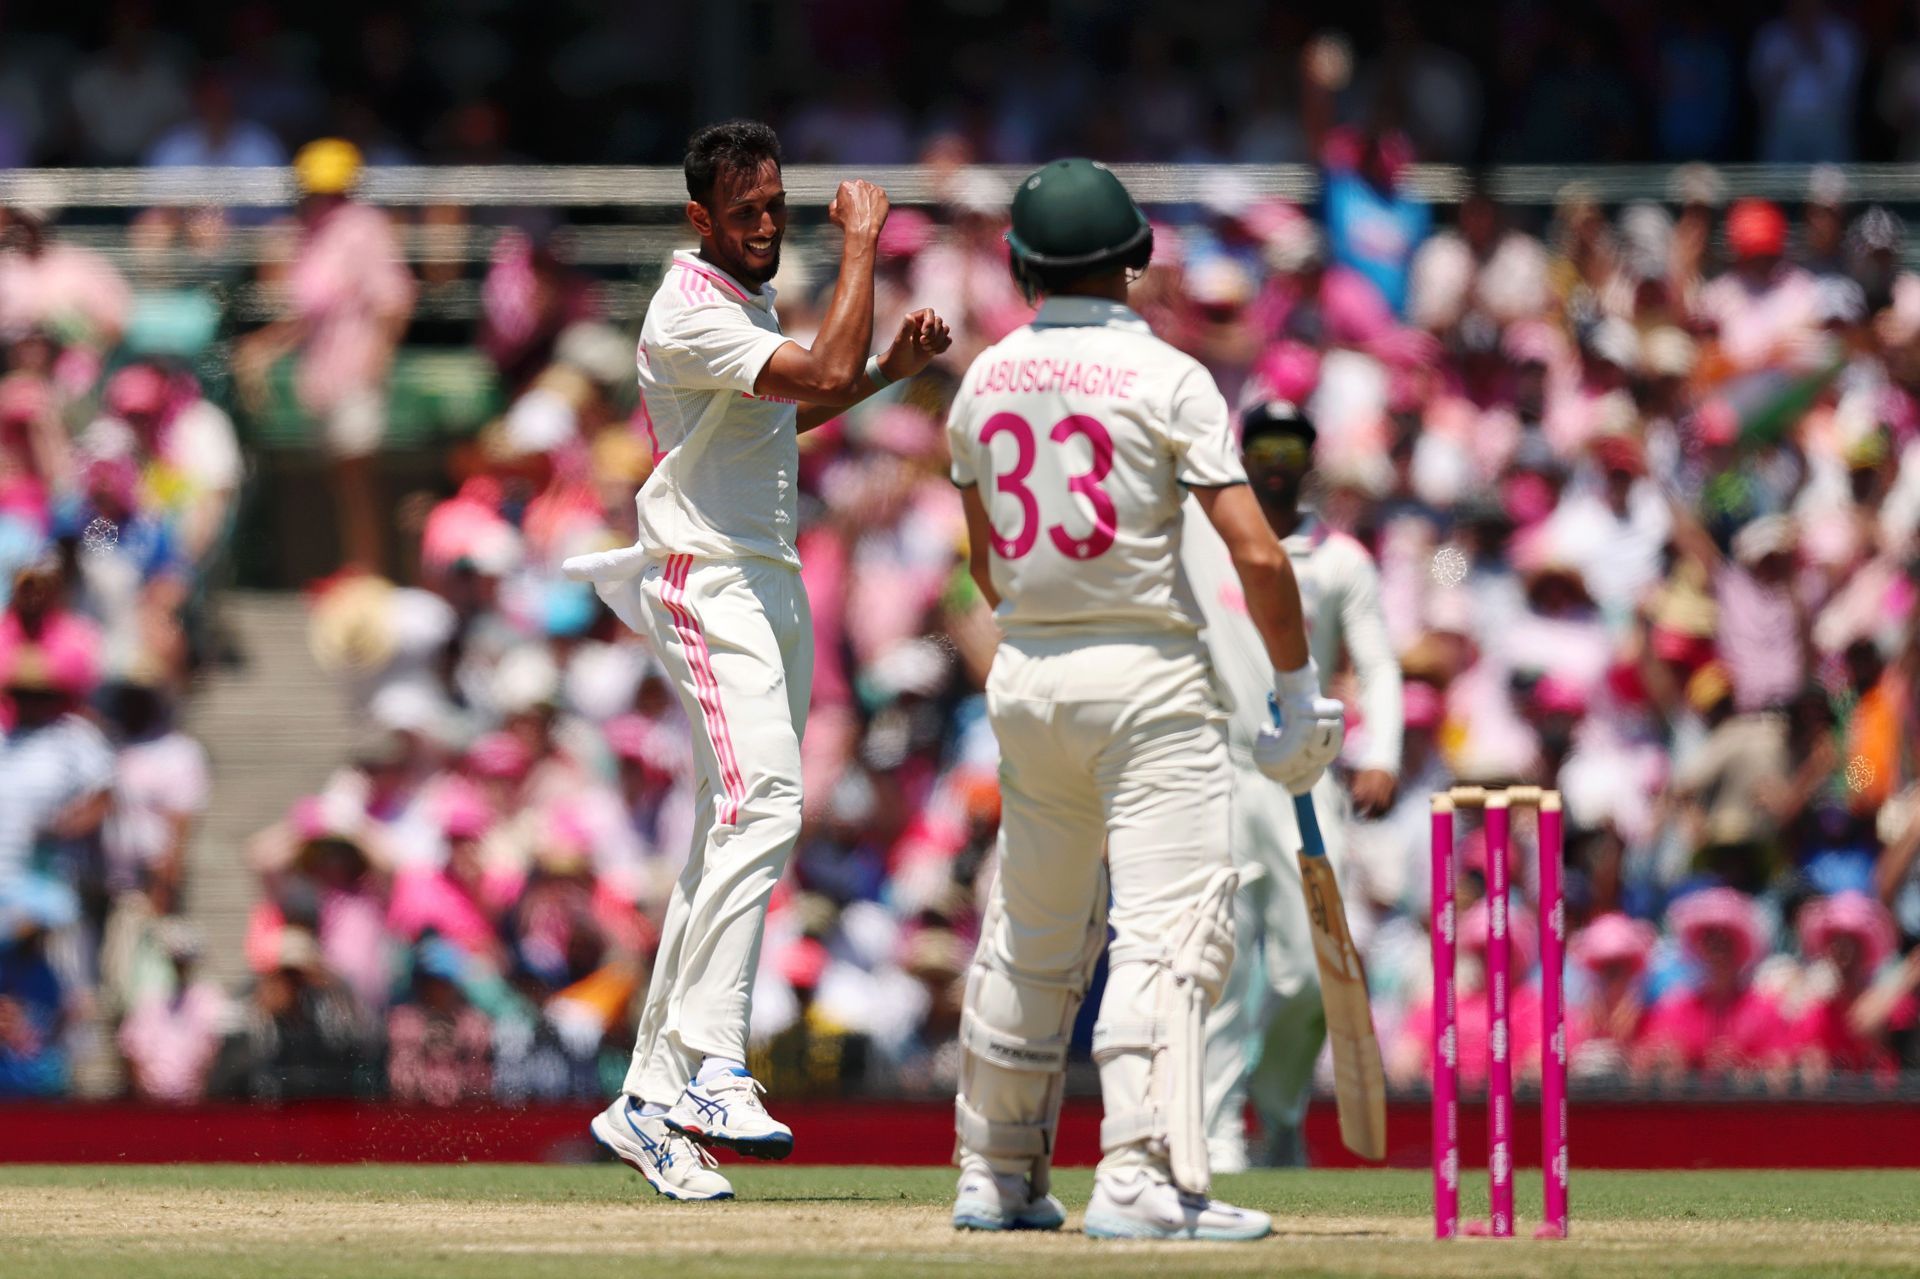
<point>1311,842</point>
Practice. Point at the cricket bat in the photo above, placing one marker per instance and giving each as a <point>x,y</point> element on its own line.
<point>1359,1084</point>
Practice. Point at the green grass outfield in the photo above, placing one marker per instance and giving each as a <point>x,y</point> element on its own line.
<point>582,1222</point>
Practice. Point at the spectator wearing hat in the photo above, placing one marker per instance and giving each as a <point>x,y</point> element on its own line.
<point>1763,306</point>
<point>171,1035</point>
<point>351,297</point>
<point>303,1033</point>
<point>1719,1024</point>
<point>1606,1025</point>
<point>1848,938</point>
<point>1409,1052</point>
<point>329,848</point>
<point>185,445</point>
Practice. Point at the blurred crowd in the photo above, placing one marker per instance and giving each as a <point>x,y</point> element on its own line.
<point>118,482</point>
<point>864,82</point>
<point>1643,483</point>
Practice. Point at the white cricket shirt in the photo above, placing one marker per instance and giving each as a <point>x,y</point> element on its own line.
<point>1340,600</point>
<point>726,462</point>
<point>1082,431</point>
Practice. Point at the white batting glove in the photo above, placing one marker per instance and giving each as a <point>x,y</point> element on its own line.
<point>1309,734</point>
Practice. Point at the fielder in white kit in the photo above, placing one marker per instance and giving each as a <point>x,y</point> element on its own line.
<point>1074,441</point>
<point>714,583</point>
<point>1265,1034</point>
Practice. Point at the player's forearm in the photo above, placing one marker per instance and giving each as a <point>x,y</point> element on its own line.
<point>979,539</point>
<point>839,353</point>
<point>1273,602</point>
<point>1265,572</point>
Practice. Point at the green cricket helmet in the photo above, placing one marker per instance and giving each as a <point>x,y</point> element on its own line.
<point>1071,219</point>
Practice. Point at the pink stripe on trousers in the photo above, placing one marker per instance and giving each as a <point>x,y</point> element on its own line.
<point>706,686</point>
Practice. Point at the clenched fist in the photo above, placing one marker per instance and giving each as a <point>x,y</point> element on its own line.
<point>922,336</point>
<point>859,208</point>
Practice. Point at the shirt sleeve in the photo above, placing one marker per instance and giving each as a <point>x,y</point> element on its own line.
<point>960,441</point>
<point>1364,624</point>
<point>715,346</point>
<point>1201,431</point>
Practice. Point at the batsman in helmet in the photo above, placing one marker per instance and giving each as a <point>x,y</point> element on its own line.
<point>1075,441</point>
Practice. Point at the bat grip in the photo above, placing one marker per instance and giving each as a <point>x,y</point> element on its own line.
<point>1312,844</point>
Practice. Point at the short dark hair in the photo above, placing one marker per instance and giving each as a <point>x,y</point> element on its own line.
<point>732,146</point>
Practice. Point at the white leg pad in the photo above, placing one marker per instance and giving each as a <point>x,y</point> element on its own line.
<point>1016,1027</point>
<point>1152,1070</point>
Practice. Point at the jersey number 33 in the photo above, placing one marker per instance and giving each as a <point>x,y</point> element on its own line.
<point>1014,483</point>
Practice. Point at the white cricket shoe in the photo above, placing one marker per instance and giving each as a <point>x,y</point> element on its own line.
<point>989,1200</point>
<point>1139,1203</point>
<point>671,1164</point>
<point>726,1111</point>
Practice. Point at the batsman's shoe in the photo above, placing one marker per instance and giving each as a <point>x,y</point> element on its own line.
<point>989,1200</point>
<point>726,1111</point>
<point>671,1164</point>
<point>1136,1204</point>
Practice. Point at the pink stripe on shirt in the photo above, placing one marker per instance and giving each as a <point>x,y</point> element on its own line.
<point>720,280</point>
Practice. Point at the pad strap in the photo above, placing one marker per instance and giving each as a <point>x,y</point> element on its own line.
<point>1111,1039</point>
<point>997,1138</point>
<point>1010,1051</point>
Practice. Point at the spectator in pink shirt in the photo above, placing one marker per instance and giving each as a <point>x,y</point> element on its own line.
<point>1765,306</point>
<point>351,296</point>
<point>1608,1024</point>
<point>57,287</point>
<point>1849,938</point>
<point>460,901</point>
<point>1721,1025</point>
<point>1412,1050</point>
<point>36,616</point>
<point>171,1038</point>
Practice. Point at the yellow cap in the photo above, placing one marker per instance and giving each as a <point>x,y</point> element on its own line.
<point>329,166</point>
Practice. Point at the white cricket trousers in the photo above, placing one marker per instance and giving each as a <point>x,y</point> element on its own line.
<point>1114,776</point>
<point>1265,1034</point>
<point>736,638</point>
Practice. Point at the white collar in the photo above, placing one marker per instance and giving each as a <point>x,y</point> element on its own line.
<point>691,260</point>
<point>1073,312</point>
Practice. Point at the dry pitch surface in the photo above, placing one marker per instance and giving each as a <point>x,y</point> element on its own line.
<point>582,1222</point>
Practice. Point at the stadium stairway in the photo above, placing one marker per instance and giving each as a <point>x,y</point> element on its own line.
<point>274,726</point>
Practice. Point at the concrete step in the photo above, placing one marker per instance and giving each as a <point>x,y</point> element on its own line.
<point>273,728</point>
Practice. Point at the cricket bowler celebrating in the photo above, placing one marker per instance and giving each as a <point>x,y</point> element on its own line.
<point>1074,441</point>
<point>1265,1033</point>
<point>714,583</point>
